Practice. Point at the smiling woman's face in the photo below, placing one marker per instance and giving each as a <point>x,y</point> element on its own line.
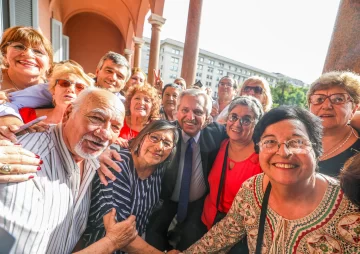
<point>156,147</point>
<point>333,115</point>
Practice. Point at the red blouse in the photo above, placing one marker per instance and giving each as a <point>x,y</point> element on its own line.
<point>127,133</point>
<point>27,114</point>
<point>234,178</point>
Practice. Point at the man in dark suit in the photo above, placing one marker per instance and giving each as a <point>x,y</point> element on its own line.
<point>183,190</point>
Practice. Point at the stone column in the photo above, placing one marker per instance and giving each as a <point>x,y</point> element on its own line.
<point>191,47</point>
<point>128,53</point>
<point>137,56</point>
<point>344,48</point>
<point>156,21</point>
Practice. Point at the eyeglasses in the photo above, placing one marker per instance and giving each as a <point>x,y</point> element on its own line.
<point>227,84</point>
<point>19,47</point>
<point>155,138</point>
<point>244,121</point>
<point>296,146</point>
<point>336,98</point>
<point>67,83</point>
<point>256,89</point>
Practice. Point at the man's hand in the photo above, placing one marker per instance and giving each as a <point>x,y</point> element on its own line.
<point>124,143</point>
<point>106,160</point>
<point>121,233</point>
<point>23,163</point>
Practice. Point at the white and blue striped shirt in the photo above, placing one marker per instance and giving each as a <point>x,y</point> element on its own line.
<point>128,194</point>
<point>48,213</point>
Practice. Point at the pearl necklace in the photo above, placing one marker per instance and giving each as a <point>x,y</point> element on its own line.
<point>338,147</point>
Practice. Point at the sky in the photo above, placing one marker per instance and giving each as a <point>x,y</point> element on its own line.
<point>286,36</point>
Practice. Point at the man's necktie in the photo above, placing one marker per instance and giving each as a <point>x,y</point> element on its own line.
<point>185,182</point>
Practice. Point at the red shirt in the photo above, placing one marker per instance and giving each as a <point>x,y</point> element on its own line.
<point>27,114</point>
<point>127,133</point>
<point>234,178</point>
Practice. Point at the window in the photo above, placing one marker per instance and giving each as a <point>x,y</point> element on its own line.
<point>211,70</point>
<point>218,79</point>
<point>221,65</point>
<point>147,56</point>
<point>200,67</point>
<point>208,83</point>
<point>56,39</point>
<point>65,46</point>
<point>211,62</point>
<point>201,59</point>
<point>174,60</point>
<point>173,76</point>
<point>174,67</point>
<point>209,76</point>
<point>198,74</point>
<point>220,72</point>
<point>4,15</point>
<point>24,13</point>
<point>175,51</point>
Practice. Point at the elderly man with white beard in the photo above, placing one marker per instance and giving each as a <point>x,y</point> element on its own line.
<point>48,213</point>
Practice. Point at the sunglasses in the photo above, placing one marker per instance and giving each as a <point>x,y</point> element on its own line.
<point>336,98</point>
<point>256,89</point>
<point>67,83</point>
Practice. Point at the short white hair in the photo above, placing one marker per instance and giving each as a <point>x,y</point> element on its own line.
<point>197,93</point>
<point>118,107</point>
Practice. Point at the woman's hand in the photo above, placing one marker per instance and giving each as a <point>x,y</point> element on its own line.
<point>8,132</point>
<point>21,163</point>
<point>214,111</point>
<point>121,233</point>
<point>106,160</point>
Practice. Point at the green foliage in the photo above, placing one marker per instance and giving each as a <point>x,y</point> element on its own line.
<point>284,93</point>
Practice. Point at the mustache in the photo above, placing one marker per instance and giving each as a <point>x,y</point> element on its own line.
<point>190,121</point>
<point>95,139</point>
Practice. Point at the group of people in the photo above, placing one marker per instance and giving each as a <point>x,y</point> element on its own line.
<point>120,165</point>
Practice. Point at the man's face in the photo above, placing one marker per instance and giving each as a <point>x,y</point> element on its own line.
<point>181,83</point>
<point>111,76</point>
<point>92,128</point>
<point>191,114</point>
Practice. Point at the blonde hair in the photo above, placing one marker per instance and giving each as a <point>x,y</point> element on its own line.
<point>347,80</point>
<point>267,104</point>
<point>65,68</point>
<point>27,36</point>
<point>149,91</point>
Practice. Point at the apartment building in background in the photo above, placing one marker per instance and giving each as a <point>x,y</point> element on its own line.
<point>210,68</point>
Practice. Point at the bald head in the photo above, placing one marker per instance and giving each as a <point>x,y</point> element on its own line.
<point>92,123</point>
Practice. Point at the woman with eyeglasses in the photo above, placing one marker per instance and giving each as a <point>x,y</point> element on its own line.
<point>226,92</point>
<point>335,97</point>
<point>290,208</point>
<point>259,88</point>
<point>235,162</point>
<point>136,189</point>
<point>27,56</point>
<point>65,83</point>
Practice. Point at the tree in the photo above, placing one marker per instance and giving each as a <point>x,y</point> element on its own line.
<point>284,93</point>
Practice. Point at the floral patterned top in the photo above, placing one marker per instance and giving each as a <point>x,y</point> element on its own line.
<point>333,227</point>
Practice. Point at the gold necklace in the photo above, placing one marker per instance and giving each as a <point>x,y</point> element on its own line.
<point>12,82</point>
<point>338,147</point>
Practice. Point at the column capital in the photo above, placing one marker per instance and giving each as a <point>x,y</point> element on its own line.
<point>155,19</point>
<point>128,51</point>
<point>138,40</point>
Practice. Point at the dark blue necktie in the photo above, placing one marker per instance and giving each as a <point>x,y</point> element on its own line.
<point>185,182</point>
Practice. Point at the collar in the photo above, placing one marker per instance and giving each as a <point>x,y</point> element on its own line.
<point>186,137</point>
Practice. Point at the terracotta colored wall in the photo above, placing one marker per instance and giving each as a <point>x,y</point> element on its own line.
<point>91,36</point>
<point>44,18</point>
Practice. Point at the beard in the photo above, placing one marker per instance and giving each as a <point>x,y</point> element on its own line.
<point>88,137</point>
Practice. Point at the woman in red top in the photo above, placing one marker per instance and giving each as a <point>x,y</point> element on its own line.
<point>241,163</point>
<point>65,83</point>
<point>142,106</point>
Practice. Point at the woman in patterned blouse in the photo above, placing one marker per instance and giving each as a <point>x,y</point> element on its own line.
<point>307,212</point>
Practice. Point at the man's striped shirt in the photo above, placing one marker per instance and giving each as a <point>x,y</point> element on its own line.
<point>128,194</point>
<point>48,213</point>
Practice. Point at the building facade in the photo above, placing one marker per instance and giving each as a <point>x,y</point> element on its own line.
<point>211,67</point>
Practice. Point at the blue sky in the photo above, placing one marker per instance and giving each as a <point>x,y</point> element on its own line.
<point>286,36</point>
